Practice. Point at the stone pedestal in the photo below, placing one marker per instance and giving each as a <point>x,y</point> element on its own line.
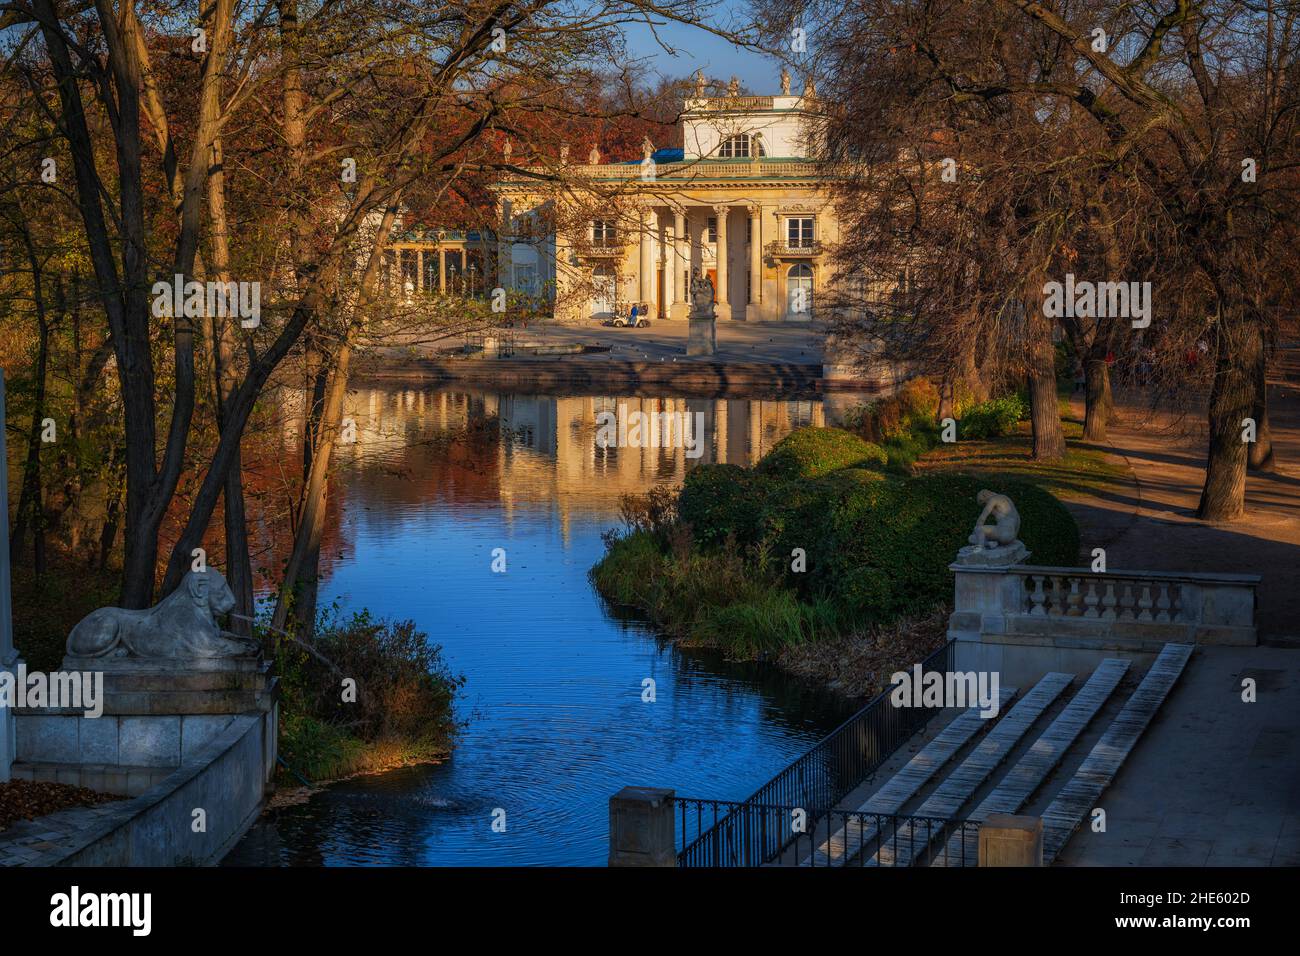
<point>702,336</point>
<point>7,730</point>
<point>1003,556</point>
<point>156,714</point>
<point>1008,840</point>
<point>642,828</point>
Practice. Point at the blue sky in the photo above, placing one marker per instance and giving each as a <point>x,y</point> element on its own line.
<point>699,49</point>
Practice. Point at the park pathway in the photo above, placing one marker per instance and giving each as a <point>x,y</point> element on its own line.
<point>1150,522</point>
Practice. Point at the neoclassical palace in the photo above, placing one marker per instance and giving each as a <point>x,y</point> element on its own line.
<point>741,202</point>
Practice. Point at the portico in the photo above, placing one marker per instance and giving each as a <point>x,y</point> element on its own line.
<point>740,201</point>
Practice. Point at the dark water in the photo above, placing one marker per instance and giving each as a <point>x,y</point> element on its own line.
<point>554,694</point>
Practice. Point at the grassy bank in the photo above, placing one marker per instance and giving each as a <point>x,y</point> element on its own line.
<point>832,548</point>
<point>370,695</point>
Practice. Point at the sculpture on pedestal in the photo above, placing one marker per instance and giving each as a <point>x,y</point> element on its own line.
<point>996,543</point>
<point>182,626</point>
<point>701,296</point>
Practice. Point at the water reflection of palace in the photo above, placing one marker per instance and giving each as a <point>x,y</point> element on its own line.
<point>420,445</point>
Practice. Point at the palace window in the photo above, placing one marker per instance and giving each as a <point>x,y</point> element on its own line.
<point>711,229</point>
<point>739,146</point>
<point>799,233</point>
<point>602,232</point>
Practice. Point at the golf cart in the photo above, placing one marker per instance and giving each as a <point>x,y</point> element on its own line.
<point>623,321</point>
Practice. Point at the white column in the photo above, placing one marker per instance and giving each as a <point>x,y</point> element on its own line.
<point>419,270</point>
<point>505,246</point>
<point>8,657</point>
<point>753,308</point>
<point>723,303</point>
<point>668,256</point>
<point>646,266</point>
<point>681,263</point>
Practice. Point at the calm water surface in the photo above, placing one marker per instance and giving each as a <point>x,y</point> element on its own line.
<point>434,483</point>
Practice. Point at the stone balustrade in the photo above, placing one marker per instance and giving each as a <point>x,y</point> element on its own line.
<point>1126,609</point>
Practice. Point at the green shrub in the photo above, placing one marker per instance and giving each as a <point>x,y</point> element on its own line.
<point>802,514</point>
<point>813,452</point>
<point>718,501</point>
<point>993,418</point>
<point>883,548</point>
<point>631,572</point>
<point>405,690</point>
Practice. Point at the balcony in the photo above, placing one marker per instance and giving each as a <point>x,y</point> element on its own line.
<point>611,249</point>
<point>785,249</point>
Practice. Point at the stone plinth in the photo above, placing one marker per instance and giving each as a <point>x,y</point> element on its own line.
<point>156,714</point>
<point>642,828</point>
<point>1003,556</point>
<point>702,336</point>
<point>1009,840</point>
<point>7,725</point>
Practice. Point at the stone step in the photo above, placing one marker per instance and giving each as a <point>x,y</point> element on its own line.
<point>905,784</point>
<point>1042,757</point>
<point>120,779</point>
<point>909,843</point>
<point>1080,794</point>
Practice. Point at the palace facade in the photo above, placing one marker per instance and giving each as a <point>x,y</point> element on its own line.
<point>741,202</point>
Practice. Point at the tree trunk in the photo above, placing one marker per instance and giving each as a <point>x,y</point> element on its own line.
<point>31,504</point>
<point>1045,412</point>
<point>297,595</point>
<point>1098,400</point>
<point>1259,455</point>
<point>1238,349</point>
<point>947,404</point>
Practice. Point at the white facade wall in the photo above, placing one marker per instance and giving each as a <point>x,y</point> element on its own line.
<point>783,130</point>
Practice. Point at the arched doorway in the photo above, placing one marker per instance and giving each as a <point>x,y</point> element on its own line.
<point>603,290</point>
<point>799,292</point>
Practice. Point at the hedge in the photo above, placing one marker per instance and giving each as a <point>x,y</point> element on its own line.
<point>813,452</point>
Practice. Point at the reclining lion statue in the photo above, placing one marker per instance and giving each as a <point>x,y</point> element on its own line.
<point>182,626</point>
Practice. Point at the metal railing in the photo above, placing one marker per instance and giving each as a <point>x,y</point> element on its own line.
<point>815,782</point>
<point>878,839</point>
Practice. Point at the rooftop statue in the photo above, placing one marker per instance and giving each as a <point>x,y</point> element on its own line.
<point>785,82</point>
<point>701,84</point>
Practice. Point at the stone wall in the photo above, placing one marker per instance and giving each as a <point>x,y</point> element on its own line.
<point>225,779</point>
<point>1023,621</point>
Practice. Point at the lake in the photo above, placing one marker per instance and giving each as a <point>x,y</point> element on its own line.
<point>437,480</point>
